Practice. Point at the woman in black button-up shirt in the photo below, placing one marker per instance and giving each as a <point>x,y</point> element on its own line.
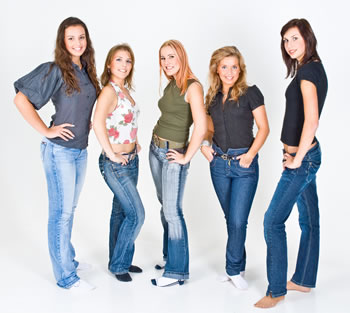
<point>70,82</point>
<point>232,108</point>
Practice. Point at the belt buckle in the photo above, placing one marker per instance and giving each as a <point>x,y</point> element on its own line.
<point>224,157</point>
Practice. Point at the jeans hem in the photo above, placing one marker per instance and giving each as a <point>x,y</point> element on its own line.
<point>121,272</point>
<point>176,275</point>
<point>302,284</point>
<point>274,295</point>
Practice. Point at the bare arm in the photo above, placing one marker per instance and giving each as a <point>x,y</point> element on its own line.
<point>262,123</point>
<point>32,117</point>
<point>195,98</point>
<point>309,93</point>
<point>106,103</point>
<point>208,151</point>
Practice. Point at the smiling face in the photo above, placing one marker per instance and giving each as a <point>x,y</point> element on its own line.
<point>75,41</point>
<point>169,61</point>
<point>228,71</point>
<point>120,66</point>
<point>294,43</point>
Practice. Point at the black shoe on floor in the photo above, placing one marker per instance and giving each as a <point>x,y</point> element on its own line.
<point>135,269</point>
<point>123,277</point>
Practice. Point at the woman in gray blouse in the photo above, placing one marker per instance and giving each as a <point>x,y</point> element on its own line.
<point>70,82</point>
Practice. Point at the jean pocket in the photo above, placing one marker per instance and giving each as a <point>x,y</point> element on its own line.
<point>250,169</point>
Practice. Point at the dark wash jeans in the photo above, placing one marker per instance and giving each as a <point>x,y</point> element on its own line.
<point>295,186</point>
<point>128,213</point>
<point>235,187</point>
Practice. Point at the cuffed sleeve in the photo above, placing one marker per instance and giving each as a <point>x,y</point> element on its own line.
<point>40,84</point>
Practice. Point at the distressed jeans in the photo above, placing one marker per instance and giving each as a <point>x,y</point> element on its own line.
<point>65,172</point>
<point>169,179</point>
<point>296,186</point>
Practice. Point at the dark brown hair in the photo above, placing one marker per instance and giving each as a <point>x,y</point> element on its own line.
<point>310,45</point>
<point>63,58</point>
<point>106,75</point>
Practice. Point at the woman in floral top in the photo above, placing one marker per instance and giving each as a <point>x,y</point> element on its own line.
<point>115,125</point>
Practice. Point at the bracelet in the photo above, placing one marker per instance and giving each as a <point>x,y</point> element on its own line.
<point>205,143</point>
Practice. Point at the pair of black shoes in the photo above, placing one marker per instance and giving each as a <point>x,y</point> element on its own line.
<point>126,277</point>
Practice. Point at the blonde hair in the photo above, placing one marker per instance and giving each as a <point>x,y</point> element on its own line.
<point>185,71</point>
<point>240,86</point>
<point>106,75</point>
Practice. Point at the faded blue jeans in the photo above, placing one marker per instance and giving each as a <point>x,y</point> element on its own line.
<point>65,172</point>
<point>128,213</point>
<point>295,186</point>
<point>235,187</point>
<point>169,179</point>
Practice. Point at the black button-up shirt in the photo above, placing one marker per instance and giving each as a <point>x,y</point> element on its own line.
<point>41,85</point>
<point>233,120</point>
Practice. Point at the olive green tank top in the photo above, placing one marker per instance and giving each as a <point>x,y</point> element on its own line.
<point>176,118</point>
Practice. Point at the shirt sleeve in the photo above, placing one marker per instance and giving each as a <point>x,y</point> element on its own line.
<point>40,84</point>
<point>255,97</point>
<point>308,72</point>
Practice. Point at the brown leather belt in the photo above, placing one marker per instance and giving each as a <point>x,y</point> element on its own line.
<point>167,144</point>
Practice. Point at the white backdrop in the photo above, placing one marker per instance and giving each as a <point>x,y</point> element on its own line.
<point>28,31</point>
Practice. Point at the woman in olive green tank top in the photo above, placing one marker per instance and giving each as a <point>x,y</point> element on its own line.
<point>170,153</point>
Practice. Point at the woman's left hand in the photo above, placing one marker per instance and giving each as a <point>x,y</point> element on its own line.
<point>245,160</point>
<point>175,157</point>
<point>289,161</point>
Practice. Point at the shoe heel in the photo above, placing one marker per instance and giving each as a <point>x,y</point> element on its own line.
<point>181,282</point>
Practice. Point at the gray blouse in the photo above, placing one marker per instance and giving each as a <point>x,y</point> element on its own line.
<point>41,85</point>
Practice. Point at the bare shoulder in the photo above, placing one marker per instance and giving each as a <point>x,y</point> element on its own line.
<point>194,91</point>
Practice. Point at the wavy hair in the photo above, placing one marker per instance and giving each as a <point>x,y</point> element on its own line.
<point>63,58</point>
<point>310,40</point>
<point>106,75</point>
<point>185,73</point>
<point>240,86</point>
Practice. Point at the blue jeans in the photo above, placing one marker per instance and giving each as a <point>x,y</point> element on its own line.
<point>128,213</point>
<point>235,187</point>
<point>65,170</point>
<point>295,186</point>
<point>169,179</point>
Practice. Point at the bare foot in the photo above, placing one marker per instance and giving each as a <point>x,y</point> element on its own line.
<point>293,286</point>
<point>268,302</point>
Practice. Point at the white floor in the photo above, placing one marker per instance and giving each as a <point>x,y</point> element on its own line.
<point>27,283</point>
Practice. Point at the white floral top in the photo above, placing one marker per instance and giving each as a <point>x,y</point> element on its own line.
<point>121,124</point>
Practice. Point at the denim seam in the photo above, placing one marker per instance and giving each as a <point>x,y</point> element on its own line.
<point>131,205</point>
<point>269,243</point>
<point>58,185</point>
<point>309,244</point>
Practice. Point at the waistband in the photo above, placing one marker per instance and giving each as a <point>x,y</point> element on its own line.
<point>231,154</point>
<point>131,155</point>
<point>167,144</point>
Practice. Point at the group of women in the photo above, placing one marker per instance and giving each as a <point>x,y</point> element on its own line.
<point>222,129</point>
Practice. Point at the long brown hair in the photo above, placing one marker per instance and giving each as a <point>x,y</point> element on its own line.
<point>240,86</point>
<point>64,61</point>
<point>310,40</point>
<point>106,75</point>
<point>185,72</point>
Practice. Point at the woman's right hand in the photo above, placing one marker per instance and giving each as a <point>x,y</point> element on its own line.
<point>119,158</point>
<point>208,153</point>
<point>60,131</point>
